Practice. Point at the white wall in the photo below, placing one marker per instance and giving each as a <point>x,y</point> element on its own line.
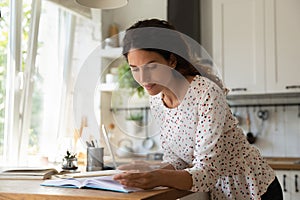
<point>138,10</point>
<point>134,11</point>
<point>279,135</point>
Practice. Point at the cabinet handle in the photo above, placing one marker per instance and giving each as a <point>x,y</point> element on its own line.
<point>292,87</point>
<point>284,183</point>
<point>238,89</point>
<point>296,183</point>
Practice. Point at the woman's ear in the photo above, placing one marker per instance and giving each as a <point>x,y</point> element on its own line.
<point>173,61</point>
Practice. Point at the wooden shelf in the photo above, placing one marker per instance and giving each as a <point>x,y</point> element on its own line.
<point>111,53</point>
<point>286,163</point>
<point>108,87</point>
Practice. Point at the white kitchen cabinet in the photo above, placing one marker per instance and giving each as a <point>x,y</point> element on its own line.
<point>282,45</point>
<point>255,43</point>
<point>289,180</point>
<point>238,44</point>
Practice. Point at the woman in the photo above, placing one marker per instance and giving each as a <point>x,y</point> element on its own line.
<point>204,148</point>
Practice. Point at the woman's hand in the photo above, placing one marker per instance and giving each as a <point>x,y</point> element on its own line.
<point>144,180</point>
<point>179,179</point>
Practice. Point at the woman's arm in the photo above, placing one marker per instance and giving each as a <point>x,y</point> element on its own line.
<point>178,179</point>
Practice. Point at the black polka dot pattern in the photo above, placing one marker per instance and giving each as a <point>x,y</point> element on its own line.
<point>201,136</point>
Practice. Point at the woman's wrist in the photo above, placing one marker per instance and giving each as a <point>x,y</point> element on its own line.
<point>179,179</point>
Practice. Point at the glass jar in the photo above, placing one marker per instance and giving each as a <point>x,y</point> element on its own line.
<point>70,164</point>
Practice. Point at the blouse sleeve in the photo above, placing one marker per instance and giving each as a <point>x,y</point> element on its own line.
<point>212,110</point>
<point>174,160</point>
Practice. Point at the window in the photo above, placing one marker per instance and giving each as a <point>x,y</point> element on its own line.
<point>37,122</point>
<point>14,29</point>
<point>3,58</point>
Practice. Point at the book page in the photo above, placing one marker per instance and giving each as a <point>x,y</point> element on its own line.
<point>107,183</point>
<point>90,174</point>
<point>101,183</point>
<point>71,183</point>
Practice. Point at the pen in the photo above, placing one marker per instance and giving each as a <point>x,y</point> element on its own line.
<point>97,143</point>
<point>93,144</point>
<point>88,144</point>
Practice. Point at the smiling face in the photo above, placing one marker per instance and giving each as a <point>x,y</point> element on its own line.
<point>150,70</point>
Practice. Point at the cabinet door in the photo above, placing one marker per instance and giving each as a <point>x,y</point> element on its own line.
<point>295,193</point>
<point>283,46</point>
<point>238,44</point>
<point>285,181</point>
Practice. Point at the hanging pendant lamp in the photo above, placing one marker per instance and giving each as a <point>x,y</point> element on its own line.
<point>102,4</point>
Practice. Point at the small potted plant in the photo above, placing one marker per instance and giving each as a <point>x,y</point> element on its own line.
<point>70,161</point>
<point>134,122</point>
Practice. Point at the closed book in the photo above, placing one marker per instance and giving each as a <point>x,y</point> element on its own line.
<point>27,173</point>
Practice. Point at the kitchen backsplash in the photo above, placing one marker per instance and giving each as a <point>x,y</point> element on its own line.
<point>279,134</point>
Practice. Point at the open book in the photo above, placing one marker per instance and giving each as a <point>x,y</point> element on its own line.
<point>101,183</point>
<point>27,173</point>
<point>89,174</point>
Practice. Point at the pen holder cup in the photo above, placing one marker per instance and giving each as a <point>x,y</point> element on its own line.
<point>94,159</point>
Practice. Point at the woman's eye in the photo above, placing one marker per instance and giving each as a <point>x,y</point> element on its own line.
<point>151,66</point>
<point>134,69</point>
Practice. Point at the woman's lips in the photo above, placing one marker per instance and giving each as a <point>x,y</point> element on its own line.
<point>149,86</point>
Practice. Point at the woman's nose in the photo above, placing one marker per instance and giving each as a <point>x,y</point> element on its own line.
<point>144,75</point>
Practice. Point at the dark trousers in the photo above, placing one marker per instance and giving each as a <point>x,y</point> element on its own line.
<point>274,191</point>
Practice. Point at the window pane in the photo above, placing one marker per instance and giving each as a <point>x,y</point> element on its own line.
<point>4,51</point>
<point>45,137</point>
<point>47,84</point>
<point>4,27</point>
<point>48,138</point>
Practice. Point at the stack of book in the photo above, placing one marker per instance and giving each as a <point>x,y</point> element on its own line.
<point>27,173</point>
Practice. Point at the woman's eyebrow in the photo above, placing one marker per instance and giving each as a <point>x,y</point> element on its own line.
<point>151,61</point>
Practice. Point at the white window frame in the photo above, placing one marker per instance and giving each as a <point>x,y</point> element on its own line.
<point>19,87</point>
<point>25,108</point>
<point>13,90</point>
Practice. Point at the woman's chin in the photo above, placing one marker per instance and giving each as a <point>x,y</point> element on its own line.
<point>152,92</point>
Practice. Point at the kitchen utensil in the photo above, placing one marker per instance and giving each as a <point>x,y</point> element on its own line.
<point>263,115</point>
<point>237,116</point>
<point>148,143</point>
<point>250,137</point>
<point>276,118</point>
<point>125,148</point>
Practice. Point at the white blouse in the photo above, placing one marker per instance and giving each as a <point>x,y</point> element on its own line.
<point>201,136</point>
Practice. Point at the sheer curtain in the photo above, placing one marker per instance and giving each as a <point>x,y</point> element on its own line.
<point>39,119</point>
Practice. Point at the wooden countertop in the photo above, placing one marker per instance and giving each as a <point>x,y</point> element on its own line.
<point>284,163</point>
<point>31,190</point>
